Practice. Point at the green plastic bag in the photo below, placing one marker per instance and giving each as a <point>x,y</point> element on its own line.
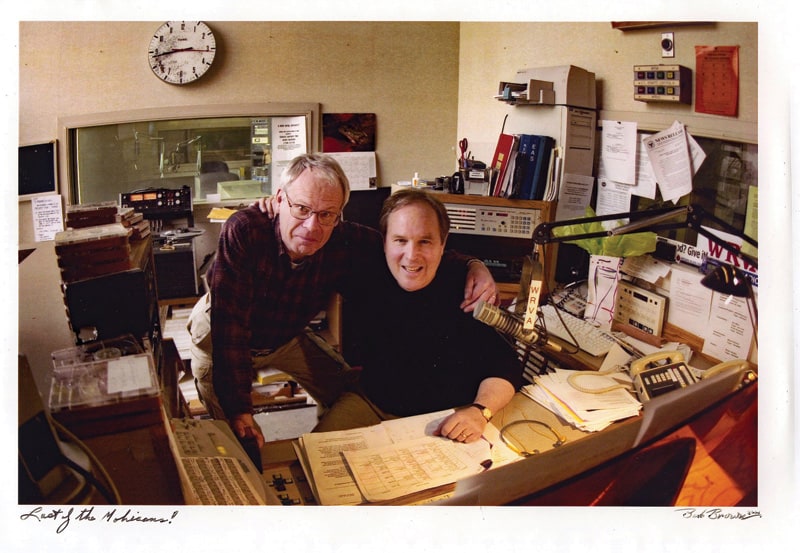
<point>623,245</point>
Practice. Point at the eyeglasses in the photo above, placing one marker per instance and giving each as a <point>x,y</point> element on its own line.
<point>303,212</point>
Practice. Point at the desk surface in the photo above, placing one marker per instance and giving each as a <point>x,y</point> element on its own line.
<point>720,469</point>
<point>140,464</point>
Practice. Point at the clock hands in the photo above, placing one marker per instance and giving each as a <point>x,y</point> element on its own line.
<point>189,49</point>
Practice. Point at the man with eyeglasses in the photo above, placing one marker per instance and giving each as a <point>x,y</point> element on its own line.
<point>271,277</point>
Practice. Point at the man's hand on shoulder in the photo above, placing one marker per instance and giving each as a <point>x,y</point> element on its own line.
<point>480,285</point>
<point>266,205</point>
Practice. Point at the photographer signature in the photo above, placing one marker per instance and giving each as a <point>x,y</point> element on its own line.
<point>717,514</point>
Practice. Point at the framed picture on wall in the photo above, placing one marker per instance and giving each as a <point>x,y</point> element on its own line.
<point>348,132</point>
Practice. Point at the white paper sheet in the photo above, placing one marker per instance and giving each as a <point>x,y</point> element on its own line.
<point>689,303</point>
<point>668,152</point>
<point>645,179</point>
<point>128,374</point>
<point>645,267</point>
<point>288,142</point>
<point>618,151</point>
<point>333,478</point>
<point>48,219</point>
<point>396,470</point>
<point>613,197</point>
<point>730,331</point>
<point>574,196</point>
<point>603,280</point>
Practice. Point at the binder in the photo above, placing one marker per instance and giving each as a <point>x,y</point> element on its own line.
<point>542,167</point>
<point>524,165</point>
<point>500,161</point>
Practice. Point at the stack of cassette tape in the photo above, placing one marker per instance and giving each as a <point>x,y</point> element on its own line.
<point>93,251</point>
<point>134,220</point>
<point>91,215</point>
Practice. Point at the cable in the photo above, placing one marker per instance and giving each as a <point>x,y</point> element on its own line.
<point>110,493</point>
<point>574,376</point>
<point>560,439</point>
<point>543,325</point>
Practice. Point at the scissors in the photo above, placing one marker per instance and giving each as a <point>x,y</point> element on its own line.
<point>463,144</point>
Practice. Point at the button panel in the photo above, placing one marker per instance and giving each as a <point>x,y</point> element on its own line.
<point>662,83</point>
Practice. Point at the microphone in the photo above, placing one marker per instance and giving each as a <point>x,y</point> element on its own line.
<point>509,324</point>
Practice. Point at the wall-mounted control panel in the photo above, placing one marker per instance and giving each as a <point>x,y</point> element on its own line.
<point>662,83</point>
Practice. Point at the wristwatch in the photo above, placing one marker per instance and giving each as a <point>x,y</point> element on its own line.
<point>485,411</point>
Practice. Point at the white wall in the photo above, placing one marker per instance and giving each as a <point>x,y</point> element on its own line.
<point>493,52</point>
<point>406,73</point>
<point>429,83</point>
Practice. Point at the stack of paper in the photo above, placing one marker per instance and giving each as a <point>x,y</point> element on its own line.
<point>584,410</point>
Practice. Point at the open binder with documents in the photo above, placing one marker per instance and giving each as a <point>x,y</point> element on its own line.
<point>394,459</point>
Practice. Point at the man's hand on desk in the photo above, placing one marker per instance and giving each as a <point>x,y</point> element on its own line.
<point>465,425</point>
<point>244,425</point>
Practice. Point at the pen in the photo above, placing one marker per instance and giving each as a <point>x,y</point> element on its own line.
<point>628,347</point>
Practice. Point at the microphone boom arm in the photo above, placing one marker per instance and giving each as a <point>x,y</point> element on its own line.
<point>650,221</point>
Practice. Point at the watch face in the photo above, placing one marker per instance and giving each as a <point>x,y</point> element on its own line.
<point>182,51</point>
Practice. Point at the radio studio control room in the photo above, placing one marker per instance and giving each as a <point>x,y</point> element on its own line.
<point>371,264</point>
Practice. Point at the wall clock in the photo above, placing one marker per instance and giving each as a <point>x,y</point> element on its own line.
<point>181,52</point>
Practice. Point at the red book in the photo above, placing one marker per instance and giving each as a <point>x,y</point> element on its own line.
<point>502,156</point>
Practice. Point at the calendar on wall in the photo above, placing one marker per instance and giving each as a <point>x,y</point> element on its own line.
<point>717,80</point>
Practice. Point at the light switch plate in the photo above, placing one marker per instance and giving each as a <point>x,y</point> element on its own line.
<point>667,45</point>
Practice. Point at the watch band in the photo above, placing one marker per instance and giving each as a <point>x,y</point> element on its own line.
<point>485,411</point>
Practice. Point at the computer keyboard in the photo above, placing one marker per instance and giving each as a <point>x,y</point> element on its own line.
<point>219,481</point>
<point>213,466</point>
<point>588,337</point>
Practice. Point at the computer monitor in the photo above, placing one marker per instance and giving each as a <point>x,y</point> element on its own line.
<point>365,206</point>
<point>37,170</point>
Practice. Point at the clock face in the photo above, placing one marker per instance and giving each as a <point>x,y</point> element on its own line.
<point>182,51</point>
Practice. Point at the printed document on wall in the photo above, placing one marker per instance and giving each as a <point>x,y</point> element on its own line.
<point>47,217</point>
<point>574,196</point>
<point>288,142</point>
<point>675,157</point>
<point>730,331</point>
<point>618,151</point>
<point>613,197</point>
<point>645,181</point>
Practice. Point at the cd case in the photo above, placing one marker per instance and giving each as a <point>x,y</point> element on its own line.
<point>102,373</point>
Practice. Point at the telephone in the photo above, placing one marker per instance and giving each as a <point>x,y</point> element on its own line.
<point>665,371</point>
<point>660,373</point>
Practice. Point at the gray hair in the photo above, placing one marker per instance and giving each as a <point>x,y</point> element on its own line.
<point>324,165</point>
